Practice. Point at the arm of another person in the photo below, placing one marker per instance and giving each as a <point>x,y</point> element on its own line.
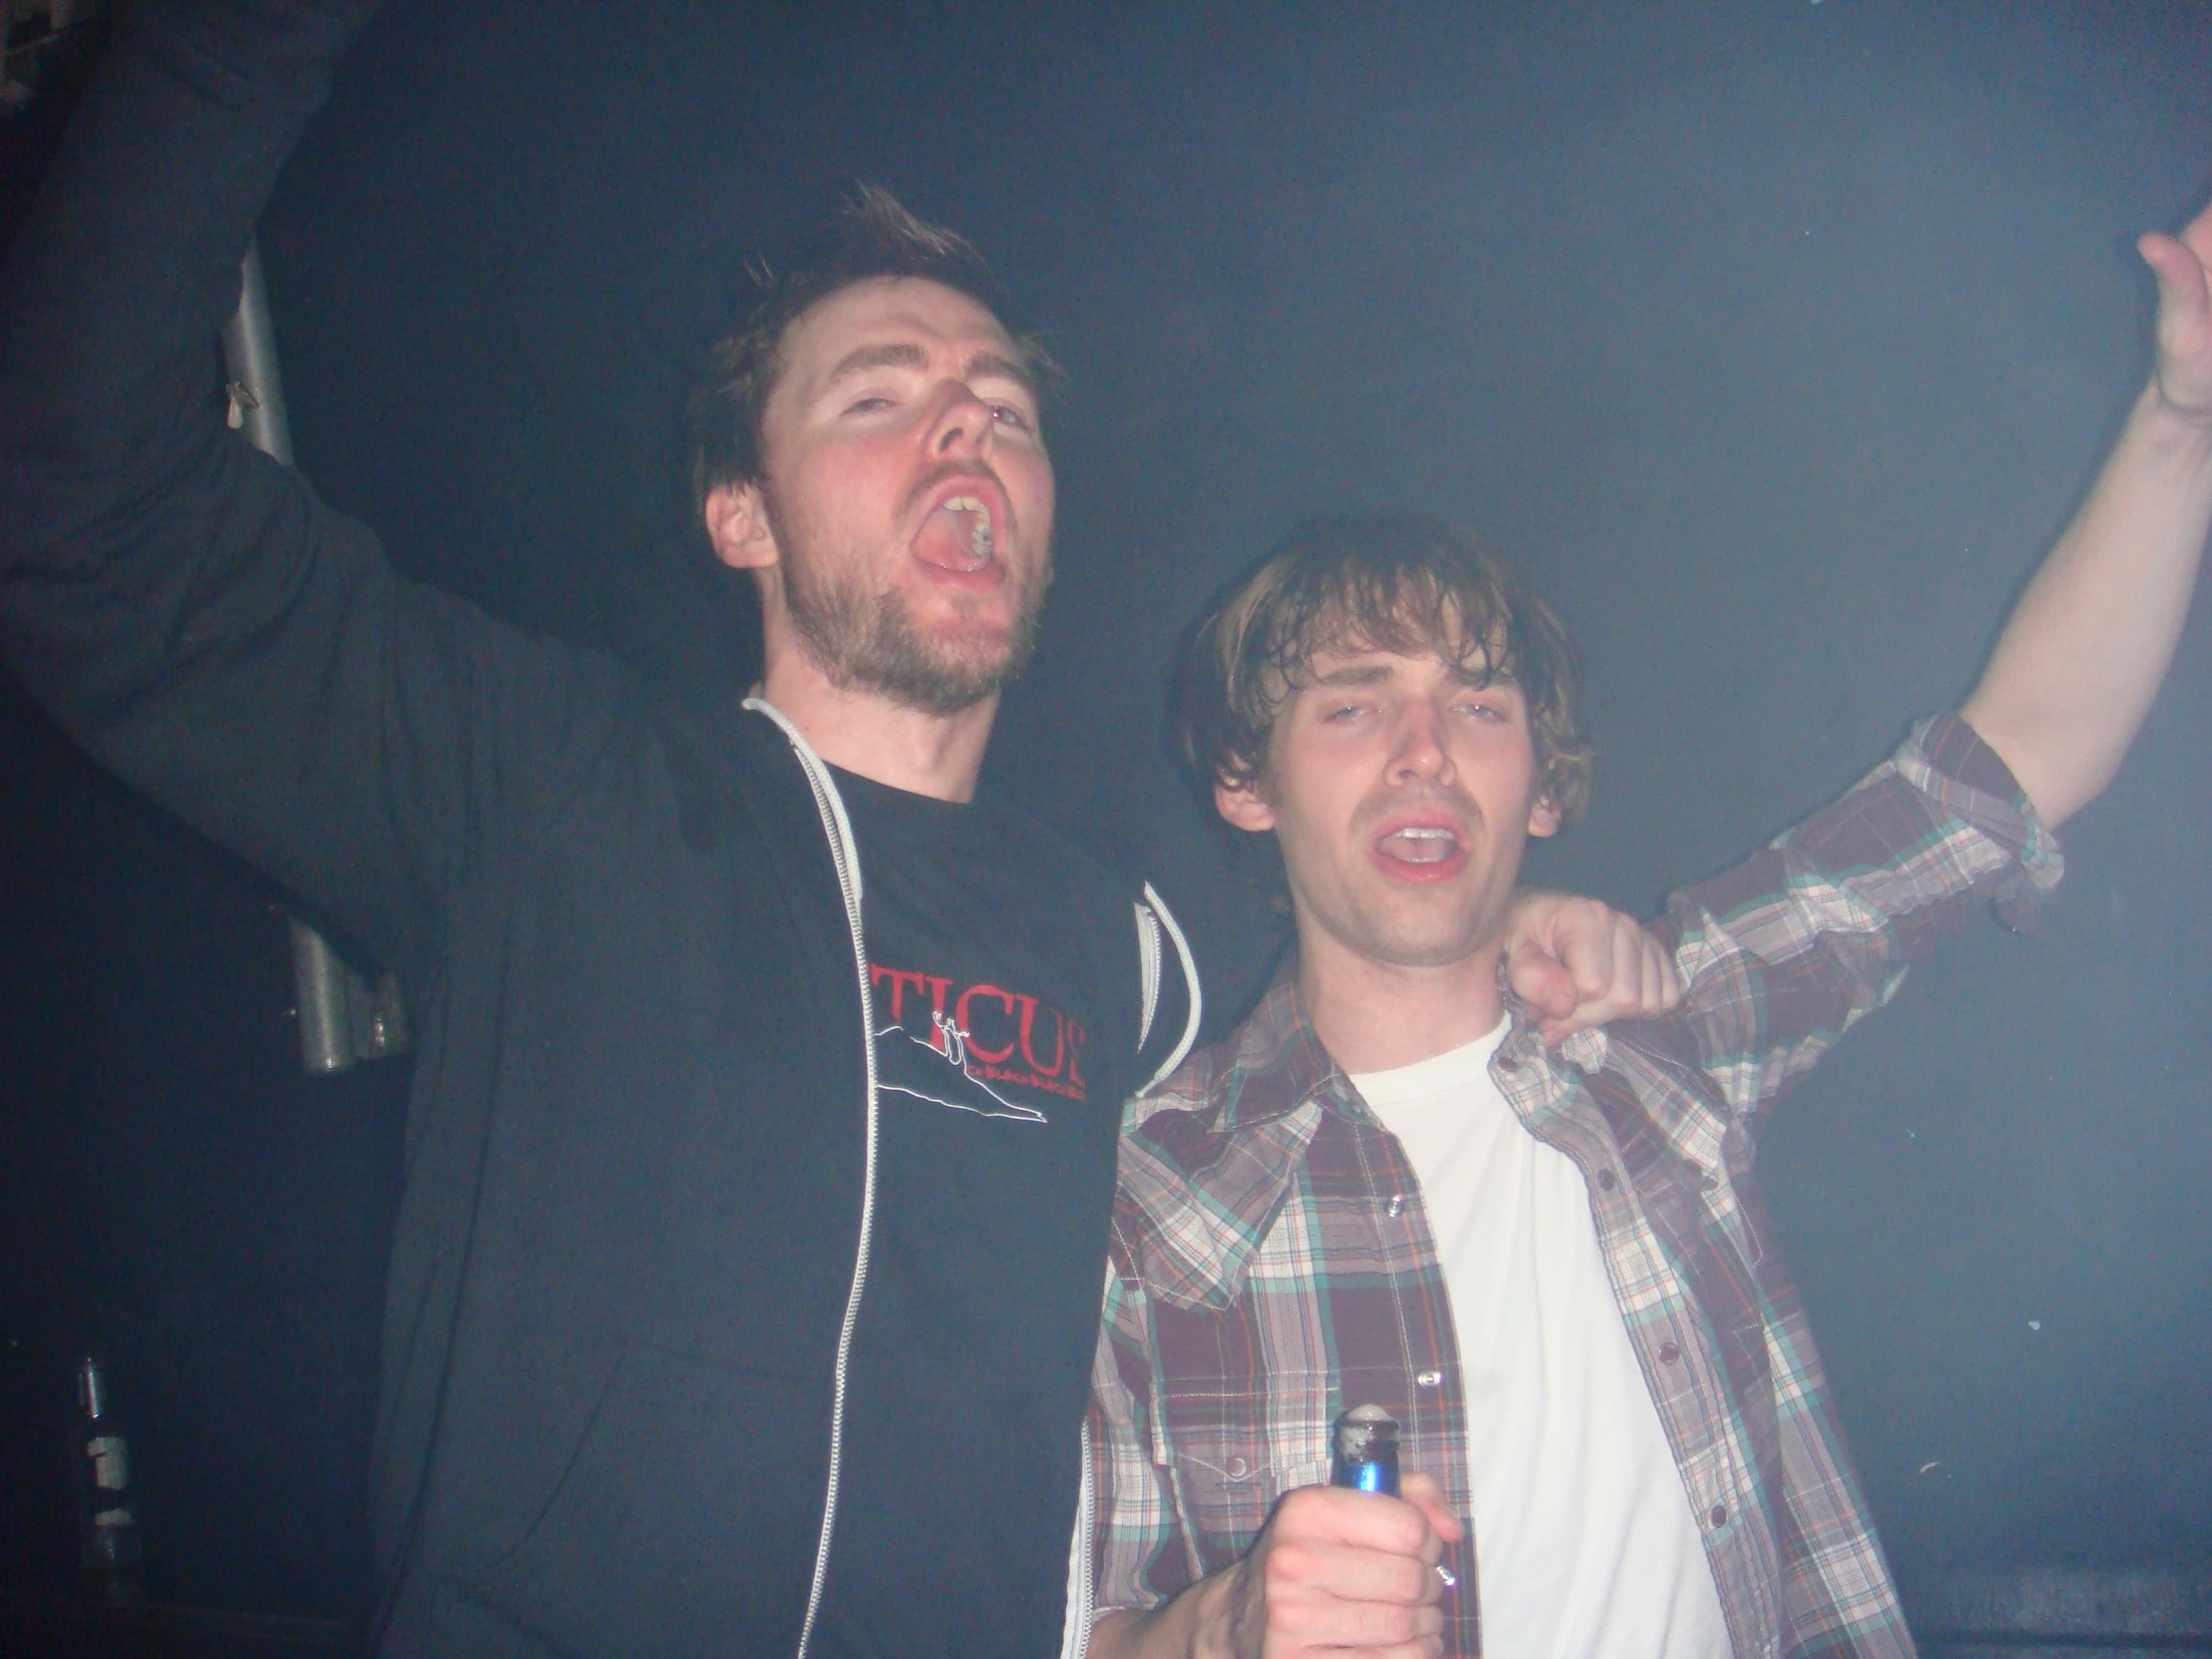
<point>1580,962</point>
<point>183,606</point>
<point>2078,663</point>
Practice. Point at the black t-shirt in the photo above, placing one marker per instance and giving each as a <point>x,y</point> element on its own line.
<point>1006,1010</point>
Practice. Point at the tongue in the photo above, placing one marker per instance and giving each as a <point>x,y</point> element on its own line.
<point>947,540</point>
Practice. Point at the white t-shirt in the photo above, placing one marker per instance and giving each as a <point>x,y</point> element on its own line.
<point>1584,1536</point>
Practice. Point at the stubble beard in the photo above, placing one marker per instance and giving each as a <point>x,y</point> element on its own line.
<point>1375,935</point>
<point>867,639</point>
<point>1374,929</point>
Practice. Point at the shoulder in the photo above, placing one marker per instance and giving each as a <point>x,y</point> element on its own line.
<point>1190,1105</point>
<point>1207,1164</point>
<point>732,775</point>
<point>1052,845</point>
<point>1230,1102</point>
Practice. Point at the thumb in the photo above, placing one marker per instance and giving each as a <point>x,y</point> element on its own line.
<point>2181,275</point>
<point>2184,319</point>
<point>1540,979</point>
<point>1426,1494</point>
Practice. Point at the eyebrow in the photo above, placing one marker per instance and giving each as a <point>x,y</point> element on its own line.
<point>1355,673</point>
<point>1375,673</point>
<point>905,354</point>
<point>986,364</point>
<point>1481,679</point>
<point>866,357</point>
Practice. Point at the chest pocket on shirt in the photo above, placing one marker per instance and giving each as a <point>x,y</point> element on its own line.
<point>1238,1436</point>
<point>1228,1489</point>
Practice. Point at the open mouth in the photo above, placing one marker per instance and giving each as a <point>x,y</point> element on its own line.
<point>1420,852</point>
<point>957,535</point>
<point>1419,844</point>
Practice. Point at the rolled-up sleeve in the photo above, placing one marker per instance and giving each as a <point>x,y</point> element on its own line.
<point>1785,953</point>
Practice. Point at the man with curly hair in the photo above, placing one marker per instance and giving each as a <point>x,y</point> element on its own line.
<point>1551,1269</point>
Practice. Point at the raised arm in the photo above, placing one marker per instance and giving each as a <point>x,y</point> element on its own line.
<point>2076,667</point>
<point>186,607</point>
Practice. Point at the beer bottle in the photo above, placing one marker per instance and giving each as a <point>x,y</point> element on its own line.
<point>1363,1450</point>
<point>111,1549</point>
<point>1362,1455</point>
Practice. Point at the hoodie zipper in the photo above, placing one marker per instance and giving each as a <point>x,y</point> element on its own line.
<point>846,855</point>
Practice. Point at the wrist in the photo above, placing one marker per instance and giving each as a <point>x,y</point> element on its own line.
<point>2182,422</point>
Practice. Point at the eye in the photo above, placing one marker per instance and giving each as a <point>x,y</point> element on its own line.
<point>873,403</point>
<point>1007,414</point>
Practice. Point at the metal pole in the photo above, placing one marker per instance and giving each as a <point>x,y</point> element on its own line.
<point>249,355</point>
<point>341,1017</point>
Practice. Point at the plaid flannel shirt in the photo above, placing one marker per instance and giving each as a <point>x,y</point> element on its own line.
<point>1272,1264</point>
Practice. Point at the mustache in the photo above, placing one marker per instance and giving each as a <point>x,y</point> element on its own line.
<point>1414,797</point>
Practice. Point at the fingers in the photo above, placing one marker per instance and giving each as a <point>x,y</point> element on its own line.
<point>2180,259</point>
<point>2198,235</point>
<point>1346,1571</point>
<point>1662,975</point>
<point>1330,1573</point>
<point>1332,1517</point>
<point>1540,980</point>
<point>1426,1493</point>
<point>1303,1610</point>
<point>2181,264</point>
<point>1576,962</point>
<point>2180,269</point>
<point>1593,941</point>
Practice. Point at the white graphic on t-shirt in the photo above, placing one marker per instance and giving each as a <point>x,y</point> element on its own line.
<point>940,1075</point>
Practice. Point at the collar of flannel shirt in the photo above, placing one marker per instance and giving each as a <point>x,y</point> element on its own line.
<point>1227,1136</point>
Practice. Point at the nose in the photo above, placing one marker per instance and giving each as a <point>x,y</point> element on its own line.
<point>1417,752</point>
<point>964,423</point>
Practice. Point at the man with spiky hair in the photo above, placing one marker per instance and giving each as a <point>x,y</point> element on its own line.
<point>1552,1270</point>
<point>755,1211</point>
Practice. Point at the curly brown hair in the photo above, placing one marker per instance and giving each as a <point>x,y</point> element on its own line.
<point>1377,581</point>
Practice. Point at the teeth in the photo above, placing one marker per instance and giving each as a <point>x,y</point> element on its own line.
<point>979,538</point>
<point>1421,844</point>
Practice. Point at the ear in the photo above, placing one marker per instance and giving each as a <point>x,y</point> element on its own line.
<point>1544,817</point>
<point>1243,805</point>
<point>737,523</point>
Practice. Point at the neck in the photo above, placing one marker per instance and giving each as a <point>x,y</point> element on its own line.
<point>1374,1017</point>
<point>867,732</point>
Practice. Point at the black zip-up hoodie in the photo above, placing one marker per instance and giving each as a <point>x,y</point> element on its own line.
<point>631,1198</point>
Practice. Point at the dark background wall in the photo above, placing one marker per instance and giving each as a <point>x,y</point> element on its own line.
<point>1776,340</point>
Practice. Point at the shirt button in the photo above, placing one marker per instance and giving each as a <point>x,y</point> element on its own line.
<point>1718,1514</point>
<point>1237,1469</point>
<point>1668,1353</point>
<point>1397,1205</point>
<point>1429,1379</point>
<point>1607,1179</point>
